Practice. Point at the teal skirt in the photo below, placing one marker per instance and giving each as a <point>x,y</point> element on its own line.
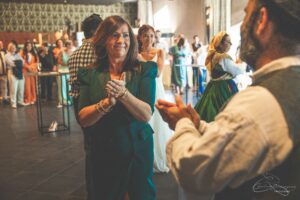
<point>216,94</point>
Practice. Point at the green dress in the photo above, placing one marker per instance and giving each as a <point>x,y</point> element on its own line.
<point>119,148</point>
<point>178,76</point>
<point>218,91</point>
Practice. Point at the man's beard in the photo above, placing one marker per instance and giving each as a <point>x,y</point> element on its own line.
<point>250,46</point>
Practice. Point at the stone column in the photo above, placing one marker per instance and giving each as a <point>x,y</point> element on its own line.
<point>219,16</point>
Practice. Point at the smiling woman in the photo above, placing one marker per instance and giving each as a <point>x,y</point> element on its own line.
<point>118,44</point>
<point>116,102</point>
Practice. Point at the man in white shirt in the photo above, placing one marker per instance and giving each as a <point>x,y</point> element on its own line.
<point>252,148</point>
<point>3,79</point>
<point>14,63</point>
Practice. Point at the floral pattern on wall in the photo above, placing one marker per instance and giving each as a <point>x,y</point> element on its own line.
<point>38,17</point>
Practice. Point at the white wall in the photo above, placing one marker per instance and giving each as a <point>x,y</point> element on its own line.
<point>237,11</point>
<point>180,16</point>
<point>237,15</point>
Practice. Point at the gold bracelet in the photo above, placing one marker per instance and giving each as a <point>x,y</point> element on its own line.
<point>105,110</point>
<point>98,108</point>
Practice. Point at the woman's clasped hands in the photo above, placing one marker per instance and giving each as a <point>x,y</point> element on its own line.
<point>116,89</point>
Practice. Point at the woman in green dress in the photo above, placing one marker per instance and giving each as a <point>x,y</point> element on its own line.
<point>222,70</point>
<point>116,102</point>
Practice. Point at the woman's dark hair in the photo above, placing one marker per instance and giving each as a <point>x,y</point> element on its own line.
<point>56,42</point>
<point>181,42</point>
<point>32,51</point>
<point>107,28</point>
<point>141,31</point>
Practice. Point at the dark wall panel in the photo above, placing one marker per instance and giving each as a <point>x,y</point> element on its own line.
<point>39,17</point>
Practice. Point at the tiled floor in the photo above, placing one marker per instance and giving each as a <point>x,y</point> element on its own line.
<point>49,167</point>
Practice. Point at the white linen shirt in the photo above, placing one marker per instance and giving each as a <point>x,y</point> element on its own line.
<point>249,137</point>
<point>10,58</point>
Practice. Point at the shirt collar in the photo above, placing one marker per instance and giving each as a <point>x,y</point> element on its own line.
<point>90,40</point>
<point>275,65</point>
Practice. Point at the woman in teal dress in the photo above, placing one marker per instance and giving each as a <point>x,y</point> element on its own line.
<point>178,77</point>
<point>222,70</point>
<point>63,87</point>
<point>116,102</point>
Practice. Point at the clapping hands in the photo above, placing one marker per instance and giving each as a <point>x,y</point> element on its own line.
<point>116,88</point>
<point>172,113</point>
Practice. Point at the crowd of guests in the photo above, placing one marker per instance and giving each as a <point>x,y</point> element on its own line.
<point>18,68</point>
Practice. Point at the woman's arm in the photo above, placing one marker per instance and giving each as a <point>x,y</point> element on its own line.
<point>60,59</point>
<point>229,66</point>
<point>90,112</point>
<point>26,65</point>
<point>34,63</point>
<point>89,115</point>
<point>138,108</point>
<point>160,61</point>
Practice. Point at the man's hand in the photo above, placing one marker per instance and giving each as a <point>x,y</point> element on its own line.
<point>194,116</point>
<point>172,113</point>
<point>162,107</point>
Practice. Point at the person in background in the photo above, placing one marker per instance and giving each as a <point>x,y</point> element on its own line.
<point>116,102</point>
<point>222,70</point>
<point>162,133</point>
<point>196,47</point>
<point>48,64</point>
<point>178,53</point>
<point>62,67</point>
<point>188,64</point>
<point>83,57</point>
<point>35,46</point>
<point>2,49</point>
<point>14,63</point>
<point>31,62</point>
<point>3,79</point>
<point>251,150</point>
<point>161,44</point>
<point>59,47</point>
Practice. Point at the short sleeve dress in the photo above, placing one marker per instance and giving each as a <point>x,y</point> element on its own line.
<point>119,148</point>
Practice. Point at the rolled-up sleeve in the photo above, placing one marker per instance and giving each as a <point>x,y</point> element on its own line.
<point>242,142</point>
<point>229,66</point>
